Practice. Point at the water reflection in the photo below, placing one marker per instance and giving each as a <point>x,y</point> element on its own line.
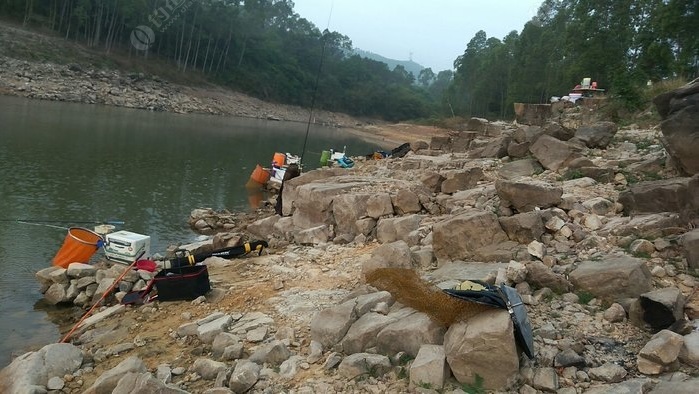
<point>87,162</point>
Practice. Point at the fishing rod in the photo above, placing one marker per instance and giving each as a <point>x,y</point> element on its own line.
<point>46,223</point>
<point>30,221</point>
<point>315,89</point>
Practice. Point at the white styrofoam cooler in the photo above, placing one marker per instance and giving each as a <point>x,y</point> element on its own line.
<point>126,247</point>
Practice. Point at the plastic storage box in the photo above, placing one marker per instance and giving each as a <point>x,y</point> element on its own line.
<point>125,247</point>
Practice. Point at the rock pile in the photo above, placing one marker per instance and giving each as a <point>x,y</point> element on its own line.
<point>590,226</point>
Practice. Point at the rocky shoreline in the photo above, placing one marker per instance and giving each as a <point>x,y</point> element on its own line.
<point>594,227</point>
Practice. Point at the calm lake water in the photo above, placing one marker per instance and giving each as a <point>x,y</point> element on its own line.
<point>85,163</point>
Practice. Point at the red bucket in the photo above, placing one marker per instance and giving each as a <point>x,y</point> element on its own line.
<point>79,245</point>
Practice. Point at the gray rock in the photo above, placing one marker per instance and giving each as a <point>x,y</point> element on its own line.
<point>108,381</point>
<point>80,270</point>
<point>315,353</point>
<point>221,342</point>
<point>665,195</point>
<point>362,334</point>
<point>429,367</point>
<point>569,358</point>
<point>367,302</point>
<point>596,135</point>
<point>244,376</point>
<point>690,243</point>
<point>44,277</point>
<point>208,369</point>
<point>680,113</point>
<point>329,326</point>
<point>688,386</point>
<point>32,370</point>
<point>144,382</point>
<point>359,364</point>
<point>689,353</point>
<point>233,352</point>
<point>631,386</point>
<point>59,276</point>
<point>208,331</point>
<point>56,293</point>
<point>273,353</point>
<point>332,361</point>
<point>608,372</point>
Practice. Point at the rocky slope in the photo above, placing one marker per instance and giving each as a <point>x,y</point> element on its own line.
<point>592,226</point>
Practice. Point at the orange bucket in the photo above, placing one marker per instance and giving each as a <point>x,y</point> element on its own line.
<point>260,175</point>
<point>279,159</point>
<point>80,244</point>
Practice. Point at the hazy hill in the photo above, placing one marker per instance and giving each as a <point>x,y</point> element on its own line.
<point>409,65</point>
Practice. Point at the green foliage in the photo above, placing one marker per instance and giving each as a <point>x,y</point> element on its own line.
<point>585,297</point>
<point>572,174</point>
<point>620,44</point>
<point>476,387</point>
<point>259,47</point>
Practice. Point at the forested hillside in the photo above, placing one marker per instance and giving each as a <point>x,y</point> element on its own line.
<point>263,48</point>
<point>260,47</point>
<point>622,44</point>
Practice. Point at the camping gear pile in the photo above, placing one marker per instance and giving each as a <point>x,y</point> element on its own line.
<point>181,277</point>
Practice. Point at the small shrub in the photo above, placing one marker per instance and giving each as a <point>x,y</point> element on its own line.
<point>585,297</point>
<point>572,174</point>
<point>476,387</point>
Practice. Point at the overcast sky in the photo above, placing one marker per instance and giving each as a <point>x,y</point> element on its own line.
<point>436,32</point>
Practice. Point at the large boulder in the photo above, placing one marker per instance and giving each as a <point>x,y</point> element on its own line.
<point>410,331</point>
<point>528,195</point>
<point>624,277</point>
<point>679,110</point>
<point>461,236</point>
<point>397,228</point>
<point>483,347</point>
<point>665,195</point>
<point>31,372</point>
<point>329,326</point>
<point>552,153</point>
<point>347,209</point>
<point>596,135</point>
<point>690,243</point>
<point>462,180</point>
<point>523,227</point>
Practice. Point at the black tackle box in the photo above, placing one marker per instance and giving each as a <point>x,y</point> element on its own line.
<point>182,283</point>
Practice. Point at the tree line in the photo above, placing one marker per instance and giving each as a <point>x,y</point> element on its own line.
<point>260,47</point>
<point>265,49</point>
<point>621,44</point>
